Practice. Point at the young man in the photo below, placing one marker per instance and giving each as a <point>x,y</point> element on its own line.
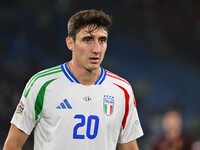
<point>79,104</point>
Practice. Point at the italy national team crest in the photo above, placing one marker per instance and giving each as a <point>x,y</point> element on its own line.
<point>108,104</point>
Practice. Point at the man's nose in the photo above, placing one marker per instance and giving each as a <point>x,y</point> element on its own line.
<point>96,47</point>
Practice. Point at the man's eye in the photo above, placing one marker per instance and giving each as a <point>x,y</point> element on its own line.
<point>102,40</point>
<point>87,40</point>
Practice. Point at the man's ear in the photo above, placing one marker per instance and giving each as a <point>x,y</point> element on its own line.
<point>70,43</point>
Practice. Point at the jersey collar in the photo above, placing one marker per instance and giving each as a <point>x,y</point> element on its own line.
<point>71,77</point>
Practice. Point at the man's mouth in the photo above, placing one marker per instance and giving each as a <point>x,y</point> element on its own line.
<point>94,59</point>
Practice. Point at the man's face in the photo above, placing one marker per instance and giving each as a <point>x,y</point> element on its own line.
<point>172,122</point>
<point>89,48</point>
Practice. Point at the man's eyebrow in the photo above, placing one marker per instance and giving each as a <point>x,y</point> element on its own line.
<point>105,37</point>
<point>87,36</point>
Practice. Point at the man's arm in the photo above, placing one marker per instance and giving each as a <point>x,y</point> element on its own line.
<point>129,146</point>
<point>16,139</point>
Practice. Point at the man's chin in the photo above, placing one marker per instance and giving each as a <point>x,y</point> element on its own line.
<point>93,67</point>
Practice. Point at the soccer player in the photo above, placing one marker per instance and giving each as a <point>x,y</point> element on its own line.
<point>78,105</point>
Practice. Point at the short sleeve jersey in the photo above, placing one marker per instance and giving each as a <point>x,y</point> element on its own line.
<point>68,115</point>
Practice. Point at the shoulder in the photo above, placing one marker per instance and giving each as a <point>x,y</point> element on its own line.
<point>41,78</point>
<point>117,80</point>
<point>46,74</point>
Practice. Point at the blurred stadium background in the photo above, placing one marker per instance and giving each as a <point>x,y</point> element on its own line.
<point>154,44</point>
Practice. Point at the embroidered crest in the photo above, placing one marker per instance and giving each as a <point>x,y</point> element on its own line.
<point>108,104</point>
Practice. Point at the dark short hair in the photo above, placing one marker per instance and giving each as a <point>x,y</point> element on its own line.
<point>87,17</point>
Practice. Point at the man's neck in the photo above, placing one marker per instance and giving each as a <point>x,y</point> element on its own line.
<point>84,76</point>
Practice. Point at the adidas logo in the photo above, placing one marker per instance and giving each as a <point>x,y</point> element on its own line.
<point>64,105</point>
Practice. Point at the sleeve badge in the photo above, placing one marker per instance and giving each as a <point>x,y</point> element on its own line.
<point>20,109</point>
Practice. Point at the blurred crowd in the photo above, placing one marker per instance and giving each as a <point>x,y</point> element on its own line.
<point>154,44</point>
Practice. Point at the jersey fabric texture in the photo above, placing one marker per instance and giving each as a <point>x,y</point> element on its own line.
<point>67,115</point>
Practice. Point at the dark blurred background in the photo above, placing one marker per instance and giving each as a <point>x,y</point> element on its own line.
<point>154,44</point>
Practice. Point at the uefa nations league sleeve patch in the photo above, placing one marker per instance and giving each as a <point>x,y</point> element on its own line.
<point>20,109</point>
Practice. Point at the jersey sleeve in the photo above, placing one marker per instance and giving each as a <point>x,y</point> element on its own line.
<point>24,115</point>
<point>132,129</point>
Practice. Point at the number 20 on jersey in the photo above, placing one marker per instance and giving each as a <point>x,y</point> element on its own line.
<point>90,134</point>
